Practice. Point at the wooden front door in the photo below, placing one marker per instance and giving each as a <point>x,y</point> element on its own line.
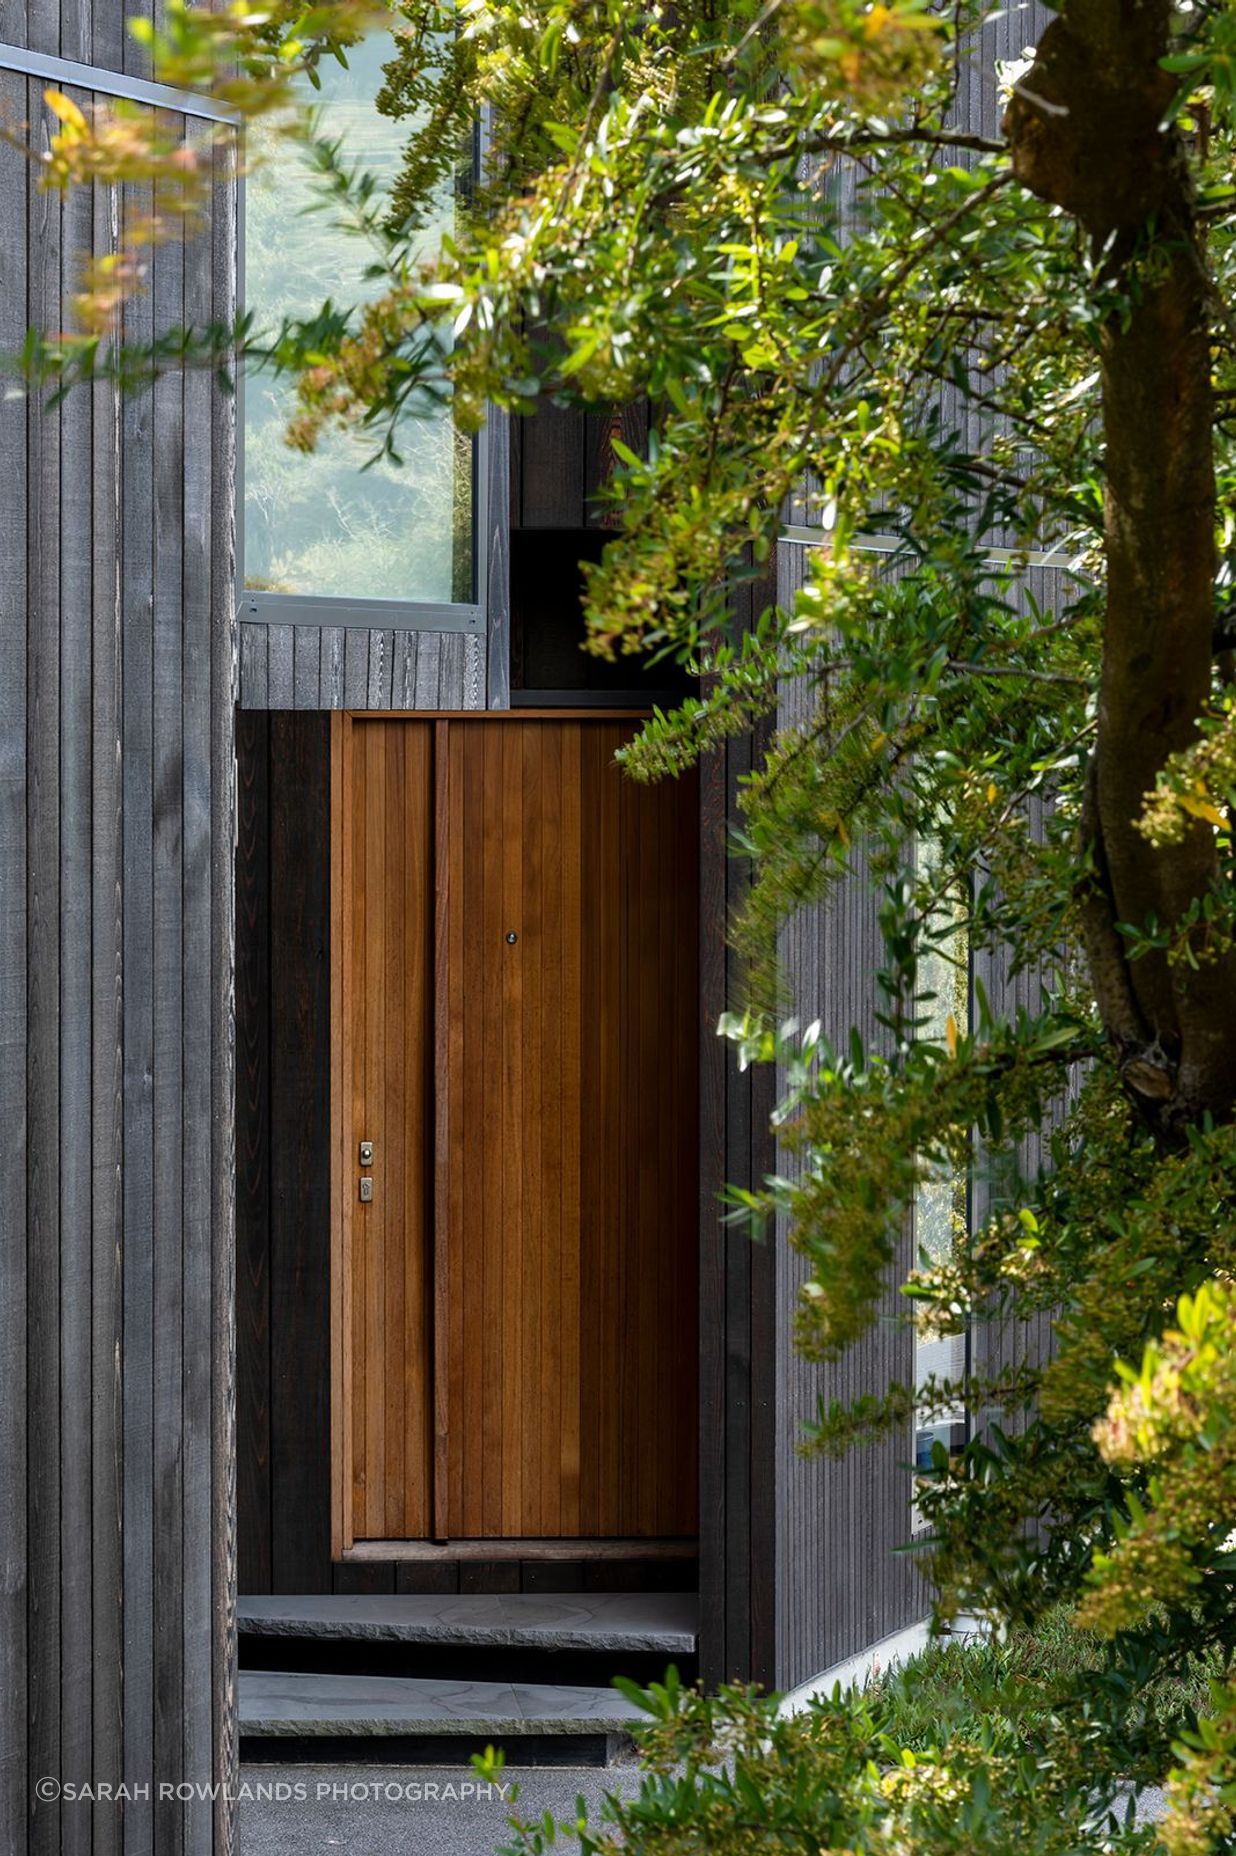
<point>519,1025</point>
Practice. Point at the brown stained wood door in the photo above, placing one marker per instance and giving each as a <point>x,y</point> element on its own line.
<point>559,1338</point>
<point>386,916</point>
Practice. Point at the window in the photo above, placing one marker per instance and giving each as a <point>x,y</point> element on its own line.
<point>324,525</point>
<point>941,1203</point>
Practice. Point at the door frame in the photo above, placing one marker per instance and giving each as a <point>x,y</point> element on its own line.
<point>342,1171</point>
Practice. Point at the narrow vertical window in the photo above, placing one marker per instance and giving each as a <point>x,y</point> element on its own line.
<point>332,524</point>
<point>941,1203</point>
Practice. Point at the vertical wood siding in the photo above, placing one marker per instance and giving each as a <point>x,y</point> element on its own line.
<point>979,108</point>
<point>312,667</point>
<point>299,1177</point>
<point>1001,1345</point>
<point>561,460</point>
<point>283,1148</point>
<point>738,1519</point>
<point>840,1583</point>
<point>14,1550</point>
<point>115,1039</point>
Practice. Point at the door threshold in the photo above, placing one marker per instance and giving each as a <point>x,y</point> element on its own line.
<point>590,1549</point>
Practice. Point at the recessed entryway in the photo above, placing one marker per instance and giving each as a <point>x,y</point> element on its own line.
<point>516,1026</point>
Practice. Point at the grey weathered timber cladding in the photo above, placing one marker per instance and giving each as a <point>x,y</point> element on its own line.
<point>313,667</point>
<point>1000,1345</point>
<point>979,109</point>
<point>116,1167</point>
<point>841,1585</point>
<point>13,1006</point>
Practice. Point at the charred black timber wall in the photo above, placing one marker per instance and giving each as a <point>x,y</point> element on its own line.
<point>116,799</point>
<point>283,1152</point>
<point>738,1494</point>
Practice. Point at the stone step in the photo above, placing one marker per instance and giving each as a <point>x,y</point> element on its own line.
<point>274,1704</point>
<point>660,1623</point>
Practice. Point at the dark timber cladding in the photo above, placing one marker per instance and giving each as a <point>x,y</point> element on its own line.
<point>283,1151</point>
<point>841,1585</point>
<point>737,1383</point>
<point>115,1056</point>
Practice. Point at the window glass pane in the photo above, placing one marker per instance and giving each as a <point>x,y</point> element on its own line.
<point>940,1200</point>
<point>321,524</point>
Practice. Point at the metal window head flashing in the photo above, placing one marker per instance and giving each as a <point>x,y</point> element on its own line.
<point>370,615</point>
<point>70,73</point>
<point>808,537</point>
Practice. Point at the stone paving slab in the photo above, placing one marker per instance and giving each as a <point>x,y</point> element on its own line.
<point>663,1622</point>
<point>289,1704</point>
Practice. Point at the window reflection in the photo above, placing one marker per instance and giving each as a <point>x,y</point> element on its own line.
<point>323,524</point>
<point>941,1201</point>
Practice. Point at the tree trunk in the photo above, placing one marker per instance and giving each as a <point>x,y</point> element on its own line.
<point>1085,131</point>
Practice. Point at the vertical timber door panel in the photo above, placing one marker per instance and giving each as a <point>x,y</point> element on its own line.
<point>638,1147</point>
<point>567,1352</point>
<point>387,1010</point>
<point>519,1035</point>
<point>506,1441</point>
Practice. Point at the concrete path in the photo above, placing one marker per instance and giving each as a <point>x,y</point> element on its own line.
<point>423,1810</point>
<point>404,1810</point>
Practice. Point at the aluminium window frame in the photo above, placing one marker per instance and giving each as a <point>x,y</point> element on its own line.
<point>104,82</point>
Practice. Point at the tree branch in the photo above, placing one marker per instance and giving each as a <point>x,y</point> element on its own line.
<point>914,134</point>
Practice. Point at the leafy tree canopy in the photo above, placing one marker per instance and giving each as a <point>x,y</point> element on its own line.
<point>774,222</point>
